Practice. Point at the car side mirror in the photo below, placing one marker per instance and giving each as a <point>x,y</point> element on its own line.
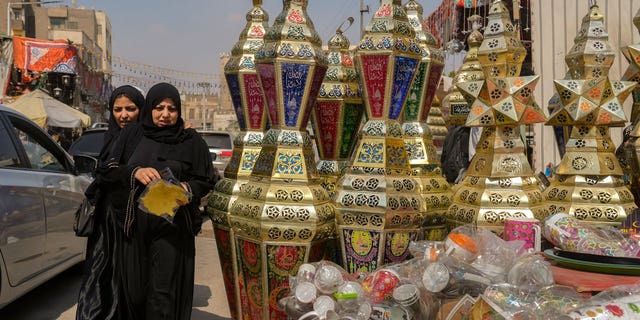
<point>85,163</point>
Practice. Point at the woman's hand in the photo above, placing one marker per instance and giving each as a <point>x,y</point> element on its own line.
<point>146,175</point>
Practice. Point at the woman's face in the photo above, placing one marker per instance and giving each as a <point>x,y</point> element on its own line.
<point>125,111</point>
<point>165,113</point>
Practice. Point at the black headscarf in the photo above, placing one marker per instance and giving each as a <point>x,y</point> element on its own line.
<point>113,131</point>
<point>171,134</point>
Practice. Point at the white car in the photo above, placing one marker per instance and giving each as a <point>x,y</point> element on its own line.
<point>40,191</point>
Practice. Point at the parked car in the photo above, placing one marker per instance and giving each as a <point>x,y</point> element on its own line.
<point>89,144</point>
<point>220,146</point>
<point>40,191</point>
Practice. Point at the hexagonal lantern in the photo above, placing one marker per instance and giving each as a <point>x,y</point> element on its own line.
<point>423,158</point>
<point>338,112</point>
<point>378,203</point>
<point>248,101</point>
<point>283,216</point>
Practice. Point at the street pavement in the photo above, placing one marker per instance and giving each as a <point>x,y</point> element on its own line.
<point>56,299</point>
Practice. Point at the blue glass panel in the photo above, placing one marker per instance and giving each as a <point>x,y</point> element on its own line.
<point>234,89</point>
<point>403,74</point>
<point>294,80</point>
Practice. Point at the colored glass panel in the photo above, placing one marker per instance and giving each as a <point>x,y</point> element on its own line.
<point>234,89</point>
<point>255,101</point>
<point>374,69</point>
<point>268,80</point>
<point>294,80</point>
<point>405,68</point>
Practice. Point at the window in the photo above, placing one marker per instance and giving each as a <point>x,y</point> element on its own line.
<point>191,113</point>
<point>8,153</point>
<point>72,25</point>
<point>57,23</point>
<point>37,146</point>
<point>99,31</point>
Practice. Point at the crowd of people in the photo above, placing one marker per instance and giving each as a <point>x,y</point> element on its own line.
<point>140,265</point>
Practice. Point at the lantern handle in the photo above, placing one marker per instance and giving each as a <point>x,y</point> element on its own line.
<point>340,30</point>
<point>593,3</point>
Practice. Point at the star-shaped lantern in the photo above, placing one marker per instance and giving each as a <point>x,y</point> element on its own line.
<point>502,101</point>
<point>591,102</point>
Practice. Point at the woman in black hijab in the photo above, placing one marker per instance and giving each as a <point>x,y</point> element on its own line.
<point>98,292</point>
<point>156,260</point>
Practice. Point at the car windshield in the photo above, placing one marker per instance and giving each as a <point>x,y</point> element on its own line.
<point>222,141</point>
<point>88,144</point>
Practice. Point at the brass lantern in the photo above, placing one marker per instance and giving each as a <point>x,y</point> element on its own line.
<point>283,216</point>
<point>249,104</point>
<point>629,157</point>
<point>588,183</point>
<point>338,112</point>
<point>471,70</point>
<point>499,182</point>
<point>423,157</point>
<point>378,203</point>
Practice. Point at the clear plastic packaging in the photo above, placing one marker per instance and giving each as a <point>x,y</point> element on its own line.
<point>570,234</point>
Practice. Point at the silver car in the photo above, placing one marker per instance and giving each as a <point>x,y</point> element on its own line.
<point>220,147</point>
<point>40,190</point>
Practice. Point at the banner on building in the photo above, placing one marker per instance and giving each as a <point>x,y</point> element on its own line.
<point>44,56</point>
<point>6,59</point>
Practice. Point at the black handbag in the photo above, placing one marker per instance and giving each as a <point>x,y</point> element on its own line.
<point>84,219</point>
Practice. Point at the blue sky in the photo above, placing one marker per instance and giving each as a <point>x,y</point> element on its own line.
<point>189,35</point>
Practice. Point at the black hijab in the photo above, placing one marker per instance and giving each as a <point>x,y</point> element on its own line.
<point>113,130</point>
<point>171,134</point>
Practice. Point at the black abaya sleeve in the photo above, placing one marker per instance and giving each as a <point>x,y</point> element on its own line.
<point>203,174</point>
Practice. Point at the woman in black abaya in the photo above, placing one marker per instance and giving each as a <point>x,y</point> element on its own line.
<point>98,295</point>
<point>156,259</point>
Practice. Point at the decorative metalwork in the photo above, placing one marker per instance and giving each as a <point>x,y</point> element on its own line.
<point>499,174</point>
<point>283,216</point>
<point>249,104</point>
<point>629,152</point>
<point>337,113</point>
<point>471,70</point>
<point>387,59</point>
<point>423,157</point>
<point>437,124</point>
<point>589,102</point>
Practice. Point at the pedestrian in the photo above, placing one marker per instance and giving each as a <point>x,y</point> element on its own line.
<point>98,295</point>
<point>156,259</point>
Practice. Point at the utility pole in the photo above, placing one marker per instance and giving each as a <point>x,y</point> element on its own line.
<point>205,87</point>
<point>363,9</point>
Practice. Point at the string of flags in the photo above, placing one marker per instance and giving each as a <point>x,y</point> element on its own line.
<point>144,76</point>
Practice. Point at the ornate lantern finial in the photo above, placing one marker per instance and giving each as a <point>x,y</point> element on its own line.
<point>377,202</point>
<point>249,104</point>
<point>501,53</point>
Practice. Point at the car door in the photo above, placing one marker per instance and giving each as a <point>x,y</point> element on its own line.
<point>62,192</point>
<point>22,216</point>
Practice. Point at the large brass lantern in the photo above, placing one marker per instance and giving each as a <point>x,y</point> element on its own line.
<point>378,203</point>
<point>423,157</point>
<point>283,216</point>
<point>499,182</point>
<point>248,101</point>
<point>589,180</point>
